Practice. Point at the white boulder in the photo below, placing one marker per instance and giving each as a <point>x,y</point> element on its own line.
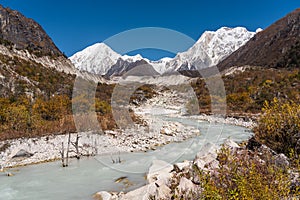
<point>103,195</point>
<point>183,165</point>
<point>185,185</point>
<point>159,170</point>
<point>231,144</point>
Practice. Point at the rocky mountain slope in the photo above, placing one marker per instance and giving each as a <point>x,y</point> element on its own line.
<point>209,50</point>
<point>25,33</point>
<point>30,63</point>
<point>36,82</point>
<point>273,47</point>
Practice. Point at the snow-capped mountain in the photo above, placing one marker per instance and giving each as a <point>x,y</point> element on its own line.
<point>100,59</point>
<point>211,48</point>
<point>132,58</point>
<point>97,59</point>
<point>160,65</point>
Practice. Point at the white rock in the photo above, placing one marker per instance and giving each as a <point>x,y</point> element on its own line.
<point>231,144</point>
<point>103,195</point>
<point>213,165</point>
<point>207,148</point>
<point>206,158</point>
<point>185,185</point>
<point>166,131</point>
<point>159,170</point>
<point>183,165</point>
<point>281,160</point>
<point>141,193</point>
<point>163,192</point>
<point>199,163</point>
<point>151,190</point>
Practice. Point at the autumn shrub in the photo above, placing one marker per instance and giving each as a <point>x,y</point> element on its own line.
<point>247,90</point>
<point>4,103</point>
<point>102,107</point>
<point>18,117</point>
<point>279,127</point>
<point>244,175</point>
<point>53,109</point>
<point>239,101</point>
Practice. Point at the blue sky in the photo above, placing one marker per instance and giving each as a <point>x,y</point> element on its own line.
<point>74,25</point>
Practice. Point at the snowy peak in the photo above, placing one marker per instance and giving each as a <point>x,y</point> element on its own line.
<point>97,59</point>
<point>225,41</point>
<point>211,48</point>
<point>160,65</point>
<point>269,48</point>
<point>132,58</point>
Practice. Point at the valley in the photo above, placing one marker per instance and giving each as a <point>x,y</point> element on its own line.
<point>214,122</point>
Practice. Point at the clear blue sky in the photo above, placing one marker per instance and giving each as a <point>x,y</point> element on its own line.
<point>74,25</point>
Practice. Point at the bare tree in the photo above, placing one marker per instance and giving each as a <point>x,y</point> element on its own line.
<point>117,160</point>
<point>62,152</point>
<point>68,149</point>
<point>76,146</point>
<point>65,160</point>
<point>95,147</point>
<point>113,161</point>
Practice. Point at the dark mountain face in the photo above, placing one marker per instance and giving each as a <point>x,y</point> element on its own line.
<point>271,47</point>
<point>24,33</point>
<point>123,66</point>
<point>42,71</point>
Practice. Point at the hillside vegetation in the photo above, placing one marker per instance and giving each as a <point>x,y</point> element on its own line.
<point>247,91</point>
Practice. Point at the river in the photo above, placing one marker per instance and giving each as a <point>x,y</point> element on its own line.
<point>84,177</point>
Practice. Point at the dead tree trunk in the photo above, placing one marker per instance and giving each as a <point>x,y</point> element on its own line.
<point>113,161</point>
<point>76,146</point>
<point>119,160</point>
<point>62,152</point>
<point>65,160</point>
<point>68,149</point>
<point>95,147</point>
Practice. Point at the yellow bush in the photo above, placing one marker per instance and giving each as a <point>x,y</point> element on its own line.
<point>102,107</point>
<point>53,109</point>
<point>244,176</point>
<point>18,117</point>
<point>279,127</point>
<point>239,101</point>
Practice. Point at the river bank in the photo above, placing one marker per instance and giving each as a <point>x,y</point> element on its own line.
<point>84,177</point>
<point>175,140</point>
<point>23,151</point>
<point>157,132</point>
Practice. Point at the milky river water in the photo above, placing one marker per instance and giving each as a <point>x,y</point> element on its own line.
<point>83,178</point>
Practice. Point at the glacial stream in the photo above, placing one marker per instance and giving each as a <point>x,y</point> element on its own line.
<point>83,178</point>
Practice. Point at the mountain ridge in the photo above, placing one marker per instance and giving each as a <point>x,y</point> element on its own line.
<point>29,59</point>
<point>269,47</point>
<point>25,33</point>
<point>201,55</point>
